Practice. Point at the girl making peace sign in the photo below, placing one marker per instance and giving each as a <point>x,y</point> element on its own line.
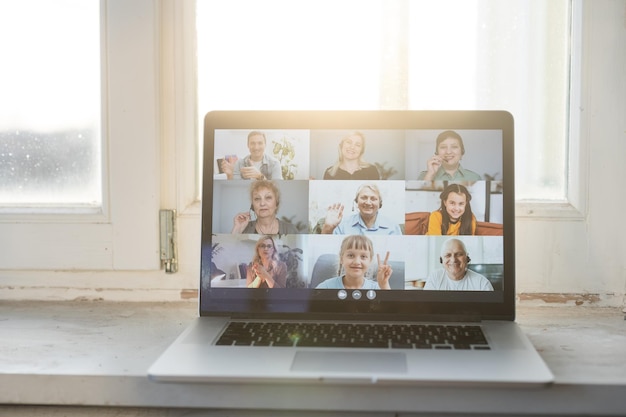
<point>355,256</point>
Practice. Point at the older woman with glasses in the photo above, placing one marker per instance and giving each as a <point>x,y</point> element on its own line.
<point>266,270</point>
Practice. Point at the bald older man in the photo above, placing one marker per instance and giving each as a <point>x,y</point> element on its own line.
<point>455,275</point>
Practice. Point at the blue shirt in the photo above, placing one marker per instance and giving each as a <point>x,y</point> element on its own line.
<point>354,225</point>
<point>337,284</point>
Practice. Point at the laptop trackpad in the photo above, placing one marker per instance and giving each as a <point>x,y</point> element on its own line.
<point>369,362</point>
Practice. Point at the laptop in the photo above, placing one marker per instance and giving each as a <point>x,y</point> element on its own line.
<point>359,247</point>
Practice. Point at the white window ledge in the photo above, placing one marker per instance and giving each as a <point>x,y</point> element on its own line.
<point>97,354</point>
<point>548,211</point>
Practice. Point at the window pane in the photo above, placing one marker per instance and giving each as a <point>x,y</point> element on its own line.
<point>510,55</point>
<point>288,54</point>
<point>418,54</point>
<point>50,103</point>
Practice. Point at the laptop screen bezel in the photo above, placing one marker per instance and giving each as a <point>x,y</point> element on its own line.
<point>444,305</point>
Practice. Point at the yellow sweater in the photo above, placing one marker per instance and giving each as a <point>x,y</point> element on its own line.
<point>434,225</point>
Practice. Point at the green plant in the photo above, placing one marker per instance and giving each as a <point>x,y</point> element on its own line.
<point>214,270</point>
<point>285,152</point>
<point>300,225</point>
<point>292,257</point>
<point>215,249</point>
<point>491,177</point>
<point>385,173</point>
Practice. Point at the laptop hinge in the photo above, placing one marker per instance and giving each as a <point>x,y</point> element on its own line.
<point>443,318</point>
<point>167,237</point>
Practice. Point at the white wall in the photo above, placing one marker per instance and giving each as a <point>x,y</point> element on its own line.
<point>587,255</point>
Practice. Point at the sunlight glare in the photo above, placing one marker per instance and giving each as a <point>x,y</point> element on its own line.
<point>443,43</point>
<point>50,76</point>
<point>281,54</point>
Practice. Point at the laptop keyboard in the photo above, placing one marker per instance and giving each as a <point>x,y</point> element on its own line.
<point>390,336</point>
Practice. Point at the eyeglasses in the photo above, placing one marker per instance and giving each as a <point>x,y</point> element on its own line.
<point>266,246</point>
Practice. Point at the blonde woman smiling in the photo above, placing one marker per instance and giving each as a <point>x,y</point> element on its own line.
<point>350,164</point>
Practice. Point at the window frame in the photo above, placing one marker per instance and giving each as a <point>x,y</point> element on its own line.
<point>116,236</point>
<point>108,253</point>
<point>574,206</point>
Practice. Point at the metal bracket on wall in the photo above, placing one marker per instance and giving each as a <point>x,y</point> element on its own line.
<point>167,222</point>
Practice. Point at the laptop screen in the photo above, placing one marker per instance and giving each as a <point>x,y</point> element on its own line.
<point>367,214</point>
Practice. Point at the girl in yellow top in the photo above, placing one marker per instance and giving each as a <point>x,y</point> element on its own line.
<point>454,216</point>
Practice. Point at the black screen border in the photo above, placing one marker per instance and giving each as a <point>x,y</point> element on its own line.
<point>313,303</point>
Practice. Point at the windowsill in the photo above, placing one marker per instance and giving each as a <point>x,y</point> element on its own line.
<point>548,211</point>
<point>97,354</point>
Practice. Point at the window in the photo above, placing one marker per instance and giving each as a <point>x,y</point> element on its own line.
<point>113,227</point>
<point>150,127</point>
<point>50,106</point>
<point>453,54</point>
